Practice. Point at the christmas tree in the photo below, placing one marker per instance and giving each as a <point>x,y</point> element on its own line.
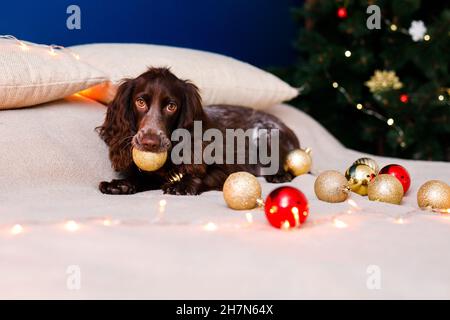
<point>376,74</point>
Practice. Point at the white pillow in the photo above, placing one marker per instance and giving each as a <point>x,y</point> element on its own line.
<point>221,80</point>
<point>32,74</point>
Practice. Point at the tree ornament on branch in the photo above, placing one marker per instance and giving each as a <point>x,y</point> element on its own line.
<point>383,80</point>
<point>404,98</point>
<point>417,30</point>
<point>342,13</point>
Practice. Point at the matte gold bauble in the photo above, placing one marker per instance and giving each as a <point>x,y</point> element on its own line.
<point>331,186</point>
<point>385,188</point>
<point>368,162</point>
<point>149,161</point>
<point>298,161</point>
<point>241,191</point>
<point>434,194</point>
<point>358,177</point>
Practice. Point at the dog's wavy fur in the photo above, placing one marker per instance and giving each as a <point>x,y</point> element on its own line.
<point>124,127</point>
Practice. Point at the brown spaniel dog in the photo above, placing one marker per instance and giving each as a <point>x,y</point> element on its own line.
<point>147,110</point>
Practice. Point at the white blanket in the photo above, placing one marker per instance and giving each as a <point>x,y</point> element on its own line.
<point>51,161</point>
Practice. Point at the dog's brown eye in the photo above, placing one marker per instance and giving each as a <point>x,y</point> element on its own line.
<point>140,103</point>
<point>171,107</point>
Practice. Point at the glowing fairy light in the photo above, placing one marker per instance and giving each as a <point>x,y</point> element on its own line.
<point>16,229</point>
<point>393,27</point>
<point>390,121</point>
<point>71,226</point>
<point>359,106</point>
<point>339,224</point>
<point>441,97</point>
<point>52,51</point>
<point>23,46</point>
<point>210,226</point>
<point>162,207</point>
<point>348,53</point>
<point>107,222</point>
<point>399,220</point>
<point>352,203</point>
<point>426,37</point>
<point>335,85</point>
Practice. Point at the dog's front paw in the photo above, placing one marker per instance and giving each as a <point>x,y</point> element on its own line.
<point>117,187</point>
<point>280,177</point>
<point>183,187</point>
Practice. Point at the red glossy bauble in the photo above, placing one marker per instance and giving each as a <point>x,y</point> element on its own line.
<point>286,207</point>
<point>400,173</point>
<point>342,12</point>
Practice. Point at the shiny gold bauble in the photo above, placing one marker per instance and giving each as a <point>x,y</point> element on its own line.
<point>358,177</point>
<point>368,162</point>
<point>241,191</point>
<point>434,194</point>
<point>149,161</point>
<point>385,188</point>
<point>331,186</point>
<point>298,161</point>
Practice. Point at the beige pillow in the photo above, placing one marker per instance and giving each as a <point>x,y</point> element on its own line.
<point>31,74</point>
<point>222,80</point>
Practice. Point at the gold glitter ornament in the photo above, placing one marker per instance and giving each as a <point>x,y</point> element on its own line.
<point>358,177</point>
<point>385,188</point>
<point>368,162</point>
<point>331,186</point>
<point>241,191</point>
<point>434,194</point>
<point>383,80</point>
<point>149,161</point>
<point>298,161</point>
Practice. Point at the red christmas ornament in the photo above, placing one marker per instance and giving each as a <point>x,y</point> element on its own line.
<point>286,207</point>
<point>342,12</point>
<point>400,173</point>
<point>404,98</point>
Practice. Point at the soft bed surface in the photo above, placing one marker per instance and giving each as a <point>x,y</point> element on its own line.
<point>51,161</point>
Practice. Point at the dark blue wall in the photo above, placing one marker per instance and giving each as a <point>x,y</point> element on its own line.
<point>256,31</point>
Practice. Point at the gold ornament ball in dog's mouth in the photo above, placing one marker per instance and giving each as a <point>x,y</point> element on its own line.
<point>149,161</point>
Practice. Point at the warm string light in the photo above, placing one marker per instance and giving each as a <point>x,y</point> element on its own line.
<point>395,28</point>
<point>51,49</point>
<point>16,229</point>
<point>71,226</point>
<point>336,220</point>
<point>389,121</point>
<point>210,226</point>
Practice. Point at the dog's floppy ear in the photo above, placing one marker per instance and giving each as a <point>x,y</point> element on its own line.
<point>191,109</point>
<point>119,127</point>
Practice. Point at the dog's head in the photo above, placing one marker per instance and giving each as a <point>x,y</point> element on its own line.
<point>144,113</point>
